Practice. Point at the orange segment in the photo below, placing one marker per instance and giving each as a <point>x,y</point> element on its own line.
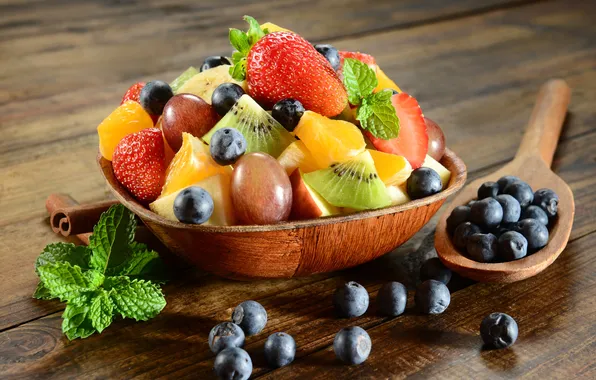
<point>297,155</point>
<point>274,28</point>
<point>392,169</point>
<point>329,141</point>
<point>129,118</point>
<point>191,164</point>
<point>385,82</point>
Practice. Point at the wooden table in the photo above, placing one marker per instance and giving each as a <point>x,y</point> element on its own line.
<point>474,65</point>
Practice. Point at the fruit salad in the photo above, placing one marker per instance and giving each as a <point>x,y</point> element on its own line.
<point>280,130</point>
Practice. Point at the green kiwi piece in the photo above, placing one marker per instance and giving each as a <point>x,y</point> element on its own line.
<point>262,132</point>
<point>183,78</point>
<point>354,184</point>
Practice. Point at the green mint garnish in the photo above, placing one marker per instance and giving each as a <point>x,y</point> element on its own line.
<point>375,111</point>
<point>242,42</point>
<point>114,275</point>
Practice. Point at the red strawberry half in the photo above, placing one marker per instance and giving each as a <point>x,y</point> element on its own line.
<point>139,164</point>
<point>412,141</point>
<point>365,58</point>
<point>133,92</point>
<point>284,65</point>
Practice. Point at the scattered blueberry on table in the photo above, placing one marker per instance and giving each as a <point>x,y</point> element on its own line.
<point>280,349</point>
<point>508,221</point>
<point>432,297</point>
<point>352,345</point>
<point>392,299</point>
<point>225,335</point>
<point>251,316</point>
<point>233,363</point>
<point>498,330</point>
<point>434,269</point>
<point>350,300</point>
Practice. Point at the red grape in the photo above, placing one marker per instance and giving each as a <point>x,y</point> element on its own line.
<point>436,139</point>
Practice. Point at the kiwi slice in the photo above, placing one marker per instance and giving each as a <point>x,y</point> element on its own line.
<point>262,132</point>
<point>354,184</point>
<point>183,78</point>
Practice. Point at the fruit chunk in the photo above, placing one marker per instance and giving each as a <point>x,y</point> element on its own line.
<point>227,146</point>
<point>154,96</point>
<point>139,164</point>
<point>218,186</point>
<point>191,164</point>
<point>261,190</point>
<point>297,156</point>
<point>214,61</point>
<point>423,182</point>
<point>183,78</point>
<point>133,93</point>
<point>261,131</point>
<point>331,54</point>
<point>129,118</point>
<point>398,195</point>
<point>445,174</point>
<point>385,82</point>
<point>272,28</point>
<point>330,141</point>
<point>186,113</point>
<point>306,203</point>
<point>368,59</point>
<point>354,184</point>
<point>305,74</point>
<point>436,139</point>
<point>203,84</point>
<point>392,169</point>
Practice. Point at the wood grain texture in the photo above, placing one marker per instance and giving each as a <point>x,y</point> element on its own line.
<point>532,164</point>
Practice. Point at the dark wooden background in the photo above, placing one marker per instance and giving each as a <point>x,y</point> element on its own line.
<point>474,65</point>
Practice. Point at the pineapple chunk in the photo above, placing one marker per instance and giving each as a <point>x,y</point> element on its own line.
<point>445,174</point>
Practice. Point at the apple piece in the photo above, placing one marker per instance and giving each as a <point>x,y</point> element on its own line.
<point>186,113</point>
<point>306,203</point>
<point>398,195</point>
<point>445,174</point>
<point>218,186</point>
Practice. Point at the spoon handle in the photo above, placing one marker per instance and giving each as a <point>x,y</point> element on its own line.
<point>542,135</point>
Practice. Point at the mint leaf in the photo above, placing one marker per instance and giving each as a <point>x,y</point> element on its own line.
<point>137,299</point>
<point>114,282</point>
<point>238,71</point>
<point>76,323</point>
<point>239,41</point>
<point>94,279</point>
<point>255,32</point>
<point>111,238</point>
<point>101,310</point>
<point>42,293</point>
<point>359,80</point>
<point>377,115</point>
<point>143,263</point>
<point>64,252</point>
<point>66,281</point>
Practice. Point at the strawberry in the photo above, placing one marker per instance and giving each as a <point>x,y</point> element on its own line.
<point>412,141</point>
<point>368,59</point>
<point>284,65</point>
<point>133,92</point>
<point>139,164</point>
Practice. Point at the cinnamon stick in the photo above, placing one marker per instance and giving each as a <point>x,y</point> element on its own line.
<point>68,217</point>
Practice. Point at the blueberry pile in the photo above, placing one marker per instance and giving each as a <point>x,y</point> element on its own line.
<point>506,222</point>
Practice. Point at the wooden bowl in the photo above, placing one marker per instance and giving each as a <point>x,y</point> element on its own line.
<point>297,248</point>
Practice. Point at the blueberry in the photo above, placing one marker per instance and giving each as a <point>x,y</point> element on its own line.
<point>482,247</point>
<point>434,269</point>
<point>535,212</point>
<point>224,335</point>
<point>502,228</point>
<point>432,297</point>
<point>227,145</point>
<point>547,200</point>
<point>512,246</point>
<point>510,206</point>
<point>486,213</point>
<point>423,182</point>
<point>280,349</point>
<point>498,330</point>
<point>470,203</point>
<point>193,205</point>
<point>352,345</point>
<point>488,190</point>
<point>330,53</point>
<point>520,191</point>
<point>462,232</point>
<point>535,233</point>
<point>251,316</point>
<point>392,299</point>
<point>507,180</point>
<point>393,91</point>
<point>288,113</point>
<point>154,96</point>
<point>214,61</point>
<point>233,364</point>
<point>459,215</point>
<point>225,96</point>
<point>350,300</point>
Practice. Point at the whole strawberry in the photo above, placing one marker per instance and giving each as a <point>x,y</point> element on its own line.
<point>284,65</point>
<point>139,164</point>
<point>133,92</point>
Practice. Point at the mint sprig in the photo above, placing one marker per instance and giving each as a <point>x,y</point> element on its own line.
<point>243,42</point>
<point>114,275</point>
<point>375,111</point>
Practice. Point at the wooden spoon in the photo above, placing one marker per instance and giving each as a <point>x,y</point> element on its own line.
<point>532,164</point>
